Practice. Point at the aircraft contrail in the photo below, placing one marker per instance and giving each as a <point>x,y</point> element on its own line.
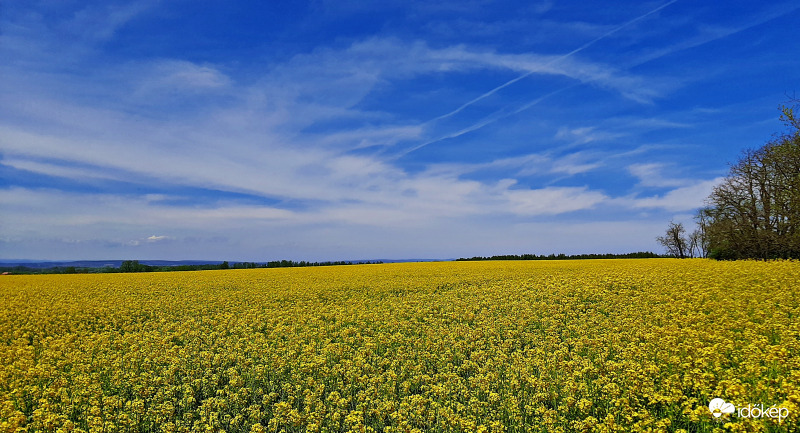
<point>493,118</point>
<point>558,59</point>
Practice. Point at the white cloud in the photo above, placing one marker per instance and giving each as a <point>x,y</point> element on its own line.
<point>586,134</point>
<point>257,142</point>
<point>534,164</point>
<point>52,211</point>
<point>679,199</point>
<point>42,34</point>
<point>173,76</point>
<point>651,175</point>
<point>57,170</point>
<point>356,232</point>
<point>368,63</point>
<point>553,200</point>
<point>574,164</point>
<point>100,23</point>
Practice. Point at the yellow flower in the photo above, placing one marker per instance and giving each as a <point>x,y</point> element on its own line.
<point>597,345</point>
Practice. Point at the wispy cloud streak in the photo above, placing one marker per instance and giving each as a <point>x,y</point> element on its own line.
<point>111,145</point>
<point>551,62</point>
<point>497,115</point>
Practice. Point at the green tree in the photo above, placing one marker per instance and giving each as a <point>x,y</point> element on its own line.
<point>129,266</point>
<point>755,211</point>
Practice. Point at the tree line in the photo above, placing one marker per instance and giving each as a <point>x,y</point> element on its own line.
<point>755,212</point>
<point>637,255</point>
<point>128,266</point>
<point>135,266</point>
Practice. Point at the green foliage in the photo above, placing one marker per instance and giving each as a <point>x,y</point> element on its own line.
<point>134,266</point>
<point>755,212</point>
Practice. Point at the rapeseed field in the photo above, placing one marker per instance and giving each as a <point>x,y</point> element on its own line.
<point>551,346</point>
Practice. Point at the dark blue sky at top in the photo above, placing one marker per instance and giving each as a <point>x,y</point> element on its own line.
<point>334,130</point>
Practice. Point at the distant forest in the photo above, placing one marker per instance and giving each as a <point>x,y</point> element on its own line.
<point>638,255</point>
<point>135,266</point>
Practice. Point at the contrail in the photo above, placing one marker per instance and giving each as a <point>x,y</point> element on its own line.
<point>558,59</point>
<point>494,117</point>
<point>461,132</point>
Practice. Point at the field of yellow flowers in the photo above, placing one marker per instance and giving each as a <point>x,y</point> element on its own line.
<point>639,345</point>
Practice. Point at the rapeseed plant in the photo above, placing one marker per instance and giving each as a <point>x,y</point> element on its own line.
<point>595,346</point>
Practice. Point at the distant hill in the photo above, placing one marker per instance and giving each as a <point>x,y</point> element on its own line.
<point>103,266</point>
<point>35,264</point>
<point>101,263</point>
<point>16,266</point>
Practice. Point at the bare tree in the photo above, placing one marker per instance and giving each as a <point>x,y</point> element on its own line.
<point>675,241</point>
<point>698,240</point>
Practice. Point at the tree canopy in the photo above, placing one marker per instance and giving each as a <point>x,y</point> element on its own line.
<point>755,211</point>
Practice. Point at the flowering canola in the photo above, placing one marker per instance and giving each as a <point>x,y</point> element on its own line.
<point>637,345</point>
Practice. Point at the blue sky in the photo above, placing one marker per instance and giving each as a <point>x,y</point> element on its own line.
<point>329,130</point>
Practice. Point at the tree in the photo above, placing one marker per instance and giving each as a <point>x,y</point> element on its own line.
<point>129,266</point>
<point>788,114</point>
<point>755,211</point>
<point>134,266</point>
<point>675,241</point>
<point>698,240</point>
